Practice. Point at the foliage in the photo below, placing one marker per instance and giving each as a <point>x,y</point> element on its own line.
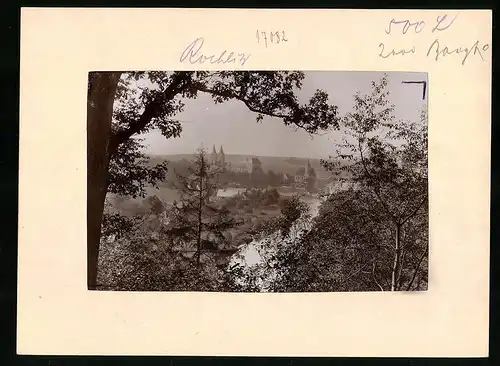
<point>388,159</point>
<point>195,219</point>
<point>386,156</point>
<point>136,263</point>
<point>115,224</point>
<point>349,248</point>
<point>156,205</point>
<point>291,209</point>
<point>254,198</point>
<point>151,100</point>
<point>373,236</point>
<point>278,238</point>
<point>146,101</point>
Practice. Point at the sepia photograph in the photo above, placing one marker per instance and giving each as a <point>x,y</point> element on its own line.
<point>257,181</point>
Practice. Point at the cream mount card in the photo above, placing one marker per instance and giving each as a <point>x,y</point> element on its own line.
<point>449,50</point>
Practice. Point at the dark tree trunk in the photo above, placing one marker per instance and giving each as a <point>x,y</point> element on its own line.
<point>101,93</point>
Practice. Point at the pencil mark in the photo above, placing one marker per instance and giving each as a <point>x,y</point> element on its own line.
<point>439,52</point>
<point>193,54</point>
<point>393,52</point>
<point>417,26</point>
<point>440,20</point>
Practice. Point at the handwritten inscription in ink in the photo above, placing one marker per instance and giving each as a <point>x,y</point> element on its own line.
<point>437,50</point>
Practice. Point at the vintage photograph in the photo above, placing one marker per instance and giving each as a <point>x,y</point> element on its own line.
<point>257,181</point>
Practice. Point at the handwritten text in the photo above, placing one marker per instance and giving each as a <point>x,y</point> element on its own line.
<point>442,24</point>
<point>193,54</point>
<point>436,49</point>
<point>476,49</point>
<point>393,52</point>
<point>417,26</point>
<point>270,37</point>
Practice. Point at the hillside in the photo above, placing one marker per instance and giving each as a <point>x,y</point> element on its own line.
<point>288,165</point>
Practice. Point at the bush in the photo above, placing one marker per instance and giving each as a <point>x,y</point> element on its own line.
<point>240,205</point>
<point>266,201</point>
<point>231,202</point>
<point>133,264</point>
<point>154,204</point>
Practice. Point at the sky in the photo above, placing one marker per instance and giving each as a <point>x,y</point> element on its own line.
<point>233,126</point>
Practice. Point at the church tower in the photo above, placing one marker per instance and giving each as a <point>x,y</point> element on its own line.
<point>310,178</point>
<point>221,158</point>
<point>213,156</point>
<point>307,169</point>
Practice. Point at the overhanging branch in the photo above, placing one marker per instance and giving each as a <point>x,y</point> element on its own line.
<point>151,111</point>
<point>232,95</point>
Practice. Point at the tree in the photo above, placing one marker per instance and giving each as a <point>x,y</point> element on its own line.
<point>269,197</point>
<point>135,263</point>
<point>156,206</point>
<point>346,239</point>
<point>348,248</point>
<point>388,158</point>
<point>310,183</point>
<point>274,179</point>
<point>278,237</point>
<point>195,219</point>
<point>117,112</point>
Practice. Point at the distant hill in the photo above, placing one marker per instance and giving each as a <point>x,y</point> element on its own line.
<point>278,164</point>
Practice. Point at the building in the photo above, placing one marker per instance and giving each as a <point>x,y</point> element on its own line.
<point>218,158</point>
<point>339,185</point>
<point>253,165</point>
<point>248,165</point>
<point>287,179</point>
<point>310,178</point>
<point>229,192</point>
<point>239,169</point>
<point>306,177</point>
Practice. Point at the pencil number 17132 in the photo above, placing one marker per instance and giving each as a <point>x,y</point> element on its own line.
<point>274,37</point>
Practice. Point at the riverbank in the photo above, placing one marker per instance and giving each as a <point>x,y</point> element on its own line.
<point>255,256</point>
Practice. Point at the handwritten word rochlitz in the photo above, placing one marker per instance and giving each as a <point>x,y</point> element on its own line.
<point>193,55</point>
<point>272,37</point>
<point>476,49</point>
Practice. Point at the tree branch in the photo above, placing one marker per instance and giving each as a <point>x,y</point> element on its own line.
<point>377,193</point>
<point>374,277</point>
<point>151,111</point>
<point>231,95</point>
<point>414,211</point>
<point>403,255</point>
<point>417,268</point>
<point>356,272</point>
